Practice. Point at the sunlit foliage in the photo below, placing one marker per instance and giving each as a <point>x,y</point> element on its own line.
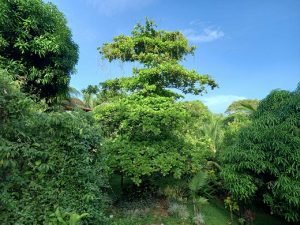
<point>146,129</point>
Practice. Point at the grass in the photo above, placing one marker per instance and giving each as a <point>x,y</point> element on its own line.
<point>215,214</point>
<point>149,220</point>
<point>153,211</point>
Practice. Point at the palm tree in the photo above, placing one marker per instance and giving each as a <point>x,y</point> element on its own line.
<point>72,100</point>
<point>198,183</point>
<point>213,130</point>
<point>245,106</point>
<point>89,95</point>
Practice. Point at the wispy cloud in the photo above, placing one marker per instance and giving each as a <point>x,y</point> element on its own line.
<point>219,103</point>
<point>208,34</point>
<point>111,7</point>
<point>198,22</point>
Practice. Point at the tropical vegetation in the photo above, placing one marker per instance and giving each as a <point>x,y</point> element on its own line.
<point>133,150</point>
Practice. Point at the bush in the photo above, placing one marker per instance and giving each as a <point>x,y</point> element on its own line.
<point>263,162</point>
<point>178,210</point>
<point>47,160</point>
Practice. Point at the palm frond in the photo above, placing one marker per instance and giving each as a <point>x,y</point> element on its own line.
<point>198,181</point>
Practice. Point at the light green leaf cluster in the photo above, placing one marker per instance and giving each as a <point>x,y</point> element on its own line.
<point>147,131</point>
<point>146,136</point>
<point>160,52</point>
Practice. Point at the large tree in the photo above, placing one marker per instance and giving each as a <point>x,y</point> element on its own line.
<point>36,46</point>
<point>143,123</point>
<point>160,52</point>
<point>264,160</point>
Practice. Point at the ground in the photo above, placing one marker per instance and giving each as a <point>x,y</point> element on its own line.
<point>148,210</point>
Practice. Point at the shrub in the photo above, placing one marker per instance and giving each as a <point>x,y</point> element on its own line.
<point>178,210</point>
<point>47,160</point>
<point>263,162</point>
<point>199,219</point>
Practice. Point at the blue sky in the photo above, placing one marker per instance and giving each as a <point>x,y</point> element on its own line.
<point>249,47</point>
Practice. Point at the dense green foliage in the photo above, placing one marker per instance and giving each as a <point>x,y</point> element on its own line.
<point>37,47</point>
<point>160,52</point>
<point>146,130</point>
<point>47,160</point>
<point>264,160</point>
<point>238,116</point>
<point>146,136</point>
<point>172,155</point>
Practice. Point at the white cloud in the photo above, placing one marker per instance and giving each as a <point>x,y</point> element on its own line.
<point>111,7</point>
<point>198,22</point>
<point>207,35</point>
<point>219,103</point>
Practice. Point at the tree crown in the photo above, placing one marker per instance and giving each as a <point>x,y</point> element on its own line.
<point>37,47</point>
<point>160,52</point>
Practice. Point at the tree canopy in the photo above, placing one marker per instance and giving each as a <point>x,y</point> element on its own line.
<point>160,52</point>
<point>264,159</point>
<point>36,46</point>
<point>146,129</point>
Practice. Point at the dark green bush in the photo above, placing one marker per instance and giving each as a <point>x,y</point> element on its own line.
<point>47,160</point>
<point>36,46</point>
<point>264,160</point>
